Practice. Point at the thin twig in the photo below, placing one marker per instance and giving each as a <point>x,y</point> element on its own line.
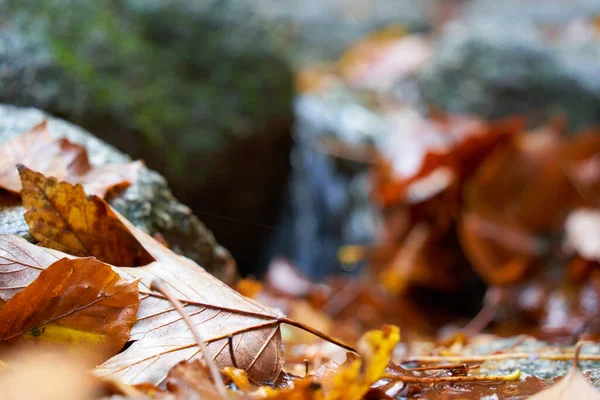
<point>448,366</point>
<point>436,379</point>
<point>503,356</point>
<point>159,286</point>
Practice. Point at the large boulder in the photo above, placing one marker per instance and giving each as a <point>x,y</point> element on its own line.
<point>148,202</point>
<point>195,88</point>
<point>515,57</point>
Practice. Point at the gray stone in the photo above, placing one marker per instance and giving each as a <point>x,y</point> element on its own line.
<point>318,30</point>
<point>197,89</point>
<point>533,366</point>
<point>503,62</point>
<point>148,202</point>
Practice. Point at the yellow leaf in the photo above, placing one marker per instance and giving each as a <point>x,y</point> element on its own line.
<point>375,348</point>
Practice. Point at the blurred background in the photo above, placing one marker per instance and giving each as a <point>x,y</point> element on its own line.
<point>304,134</point>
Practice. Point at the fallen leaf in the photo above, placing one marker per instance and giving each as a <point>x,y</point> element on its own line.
<point>21,263</point>
<point>375,348</point>
<point>303,389</point>
<point>36,149</point>
<point>60,216</point>
<point>101,181</point>
<point>572,386</point>
<point>62,159</point>
<point>80,303</point>
<point>162,337</point>
<point>238,331</point>
<point>238,377</point>
<point>95,180</point>
<point>230,323</point>
<point>516,199</point>
<point>75,157</point>
<point>191,380</point>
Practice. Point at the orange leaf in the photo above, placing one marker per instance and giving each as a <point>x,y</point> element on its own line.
<point>61,217</point>
<point>78,303</point>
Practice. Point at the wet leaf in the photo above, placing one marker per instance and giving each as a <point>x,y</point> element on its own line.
<point>60,216</point>
<point>79,303</point>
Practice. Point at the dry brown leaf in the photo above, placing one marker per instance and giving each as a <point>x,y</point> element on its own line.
<point>60,216</point>
<point>163,337</point>
<point>101,181</point>
<point>191,380</point>
<point>572,386</point>
<point>36,149</point>
<point>61,159</point>
<point>217,312</point>
<point>80,303</point>
<point>238,331</point>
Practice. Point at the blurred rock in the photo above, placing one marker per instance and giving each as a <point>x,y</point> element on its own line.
<point>517,57</point>
<point>319,30</point>
<point>148,203</point>
<point>195,88</point>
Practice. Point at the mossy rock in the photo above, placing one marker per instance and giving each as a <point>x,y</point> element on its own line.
<point>195,88</point>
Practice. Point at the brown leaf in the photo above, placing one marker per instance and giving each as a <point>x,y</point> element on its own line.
<point>437,153</point>
<point>36,149</point>
<point>21,263</point>
<point>61,159</point>
<point>81,303</point>
<point>519,194</point>
<point>61,217</point>
<point>106,179</point>
<point>191,379</point>
<point>237,331</point>
<point>572,386</point>
<point>164,340</point>
<point>217,311</point>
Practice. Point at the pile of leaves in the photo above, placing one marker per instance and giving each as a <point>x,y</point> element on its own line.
<point>149,323</point>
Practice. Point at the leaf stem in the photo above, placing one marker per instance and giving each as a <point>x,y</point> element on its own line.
<point>317,333</point>
<point>159,286</point>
